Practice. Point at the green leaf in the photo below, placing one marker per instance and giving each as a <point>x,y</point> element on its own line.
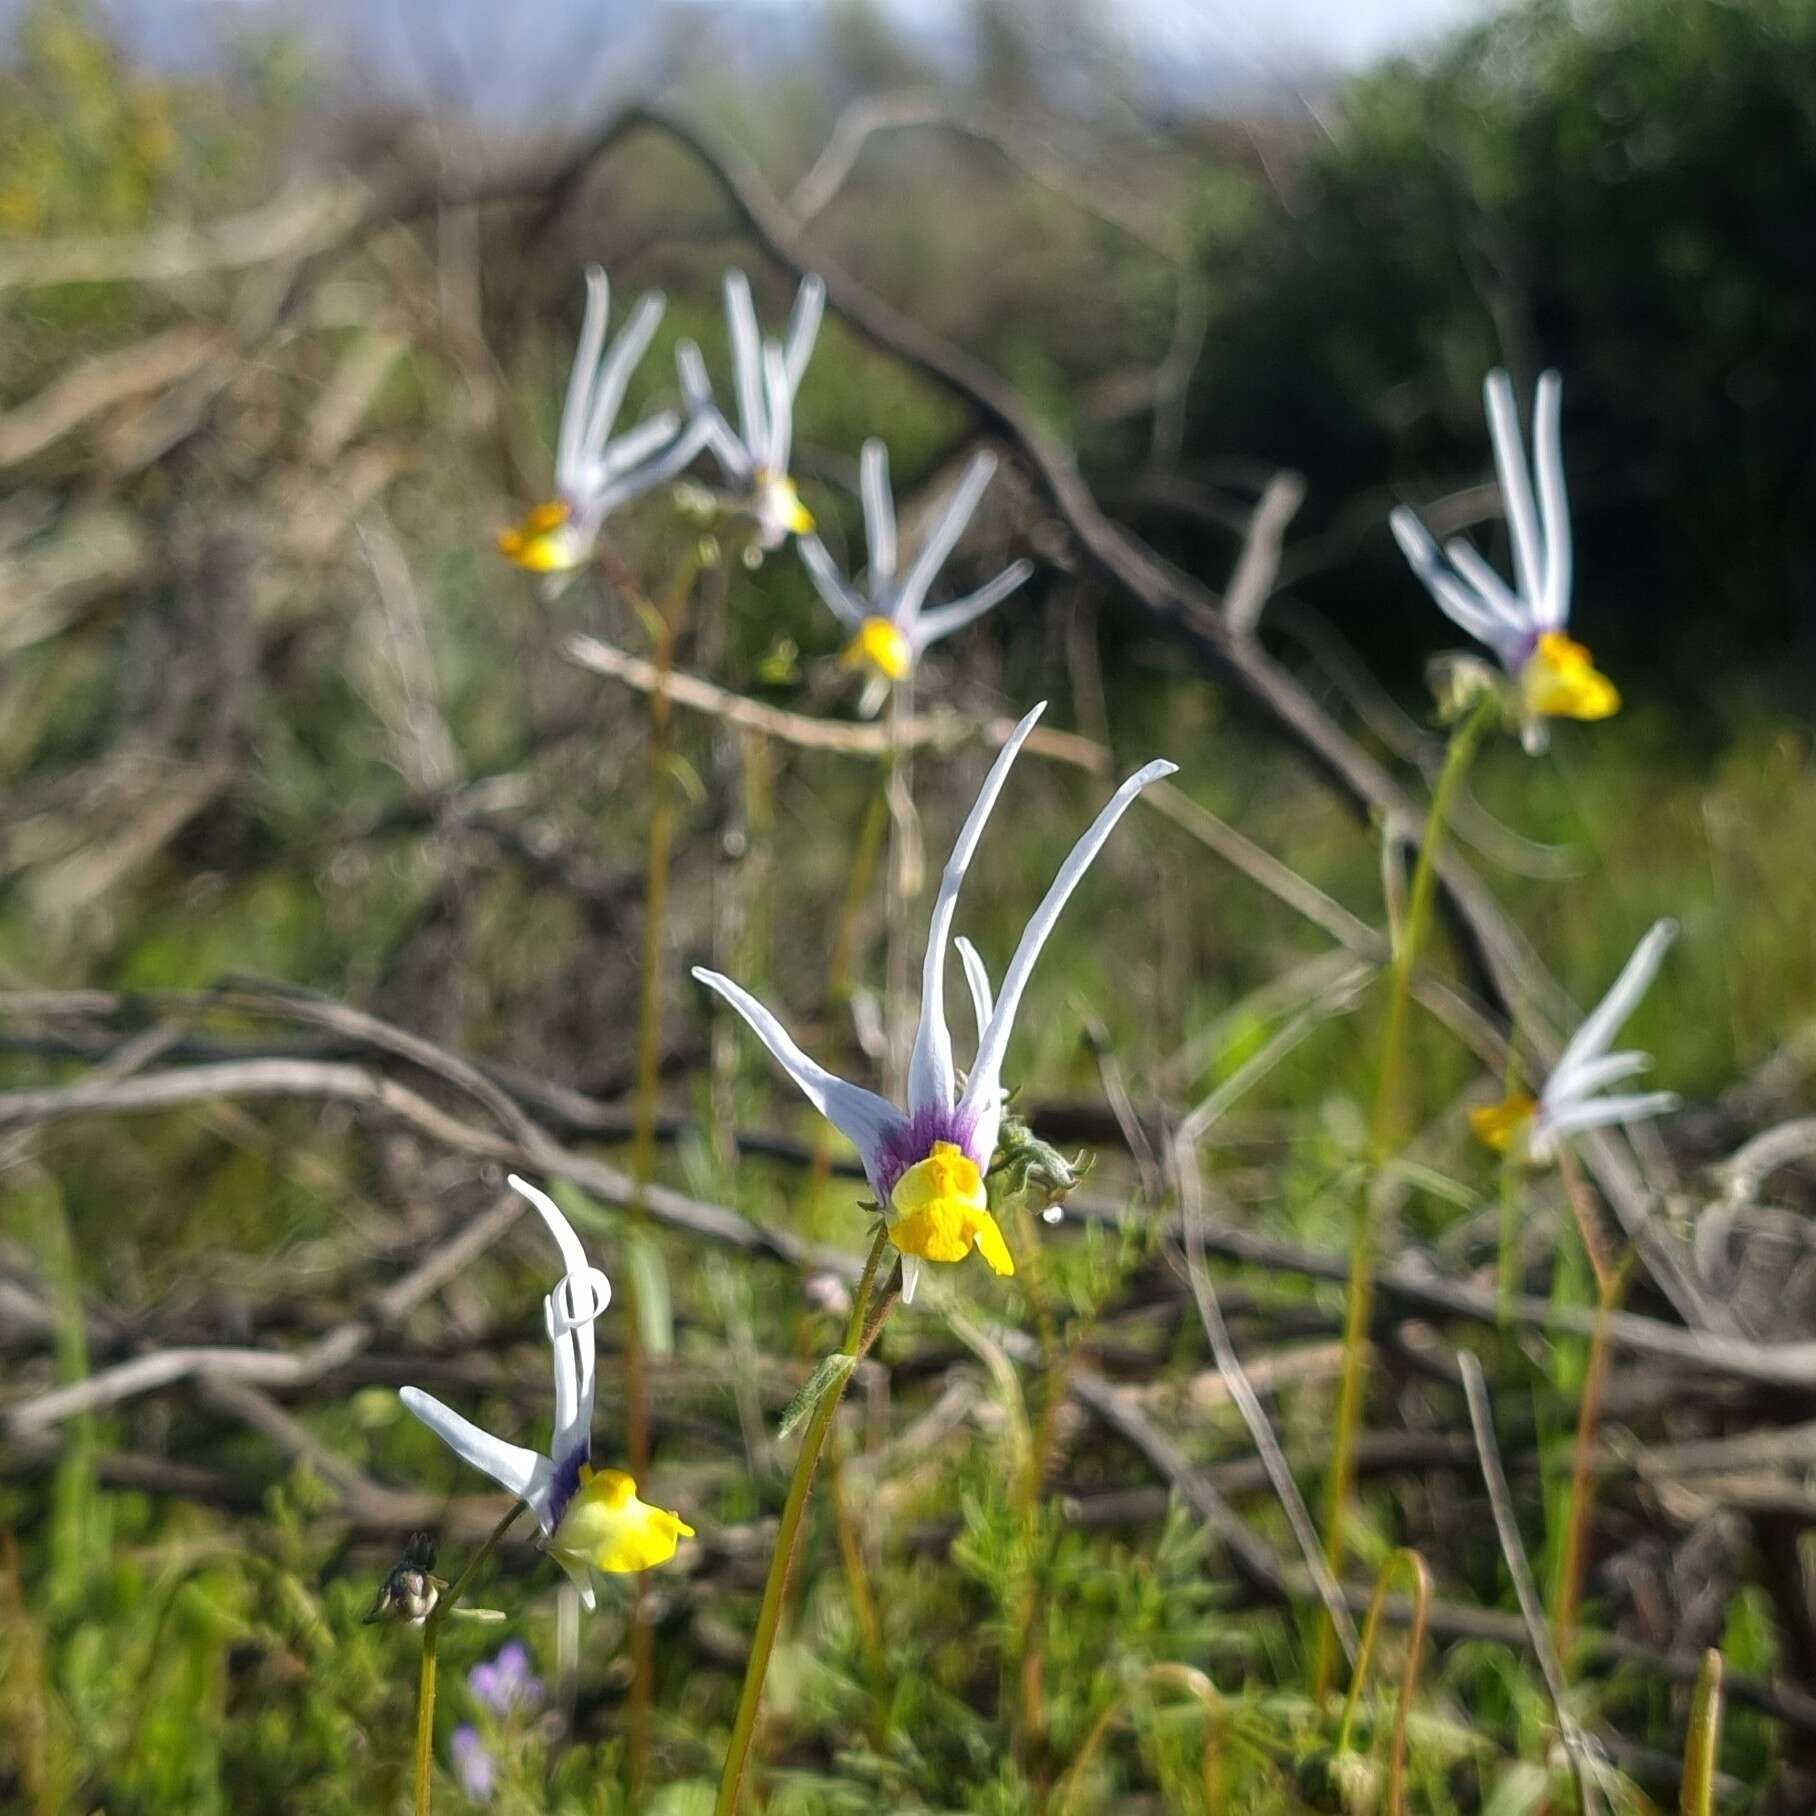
<point>829,1378</point>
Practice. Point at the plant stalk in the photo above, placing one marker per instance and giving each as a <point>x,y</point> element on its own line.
<point>1385,1134</point>
<point>431,1641</point>
<point>859,1335</point>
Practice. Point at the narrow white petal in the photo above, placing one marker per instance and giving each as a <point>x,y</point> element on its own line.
<point>615,374</point>
<point>930,1079</point>
<point>983,1088</point>
<point>573,1256</point>
<point>734,458</point>
<point>1516,483</point>
<point>634,446</point>
<point>568,1314</point>
<point>518,1471</point>
<point>879,511</point>
<point>1608,1017</point>
<point>943,620</point>
<point>746,361</point>
<point>622,487</point>
<point>1552,606</point>
<point>803,329</point>
<point>563,1349</point>
<point>580,1574</point>
<point>931,556</point>
<point>1596,1075</point>
<point>576,406</point>
<point>911,1277</point>
<point>1454,599</point>
<point>829,583</point>
<point>779,406</point>
<point>1493,592</point>
<point>1599,1112</point>
<point>696,386</point>
<point>861,1116</point>
<point>979,980</point>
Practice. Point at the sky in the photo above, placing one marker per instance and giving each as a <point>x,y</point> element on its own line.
<point>515,57</point>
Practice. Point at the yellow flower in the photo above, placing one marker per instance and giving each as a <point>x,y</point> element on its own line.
<point>607,1526</point>
<point>882,645</point>
<point>544,543</point>
<point>1559,681</point>
<point>1501,1125</point>
<point>942,1211</point>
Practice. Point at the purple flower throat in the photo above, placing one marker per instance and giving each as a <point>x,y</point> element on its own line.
<point>912,1139</point>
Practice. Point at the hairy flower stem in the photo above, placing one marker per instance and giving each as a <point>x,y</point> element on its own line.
<point>1385,1134</point>
<point>431,1640</point>
<point>664,624</point>
<point>859,1335</point>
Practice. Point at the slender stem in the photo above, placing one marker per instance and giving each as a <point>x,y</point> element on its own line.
<point>1610,1287</point>
<point>1409,1669</point>
<point>431,1640</point>
<point>664,626</point>
<point>1702,1745</point>
<point>859,1334</point>
<point>1385,1135</point>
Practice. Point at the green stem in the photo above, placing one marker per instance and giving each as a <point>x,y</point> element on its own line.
<point>1610,1287</point>
<point>1384,1140</point>
<point>431,1640</point>
<point>1414,1564</point>
<point>858,1337</point>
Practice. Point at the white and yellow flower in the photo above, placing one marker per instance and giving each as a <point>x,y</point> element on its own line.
<point>890,629</point>
<point>595,474</point>
<point>591,1519</point>
<point>766,375</point>
<point>1571,1099</point>
<point>927,1162</point>
<point>1553,676</point>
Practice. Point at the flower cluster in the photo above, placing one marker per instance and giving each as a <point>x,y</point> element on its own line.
<point>596,473</point>
<point>590,1519</point>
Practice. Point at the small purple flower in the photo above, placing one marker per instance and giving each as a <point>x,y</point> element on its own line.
<point>506,1683</point>
<point>473,1764</point>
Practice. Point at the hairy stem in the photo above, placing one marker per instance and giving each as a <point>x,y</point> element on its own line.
<point>860,1332</point>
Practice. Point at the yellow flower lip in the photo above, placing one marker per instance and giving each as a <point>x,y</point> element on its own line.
<point>1559,680</point>
<point>542,543</point>
<point>1500,1125</point>
<point>608,1526</point>
<point>779,504</point>
<point>943,1211</point>
<point>884,646</point>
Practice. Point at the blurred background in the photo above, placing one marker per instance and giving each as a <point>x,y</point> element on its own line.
<point>287,297</point>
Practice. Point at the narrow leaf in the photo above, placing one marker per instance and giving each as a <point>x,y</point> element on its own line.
<point>831,1375</point>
